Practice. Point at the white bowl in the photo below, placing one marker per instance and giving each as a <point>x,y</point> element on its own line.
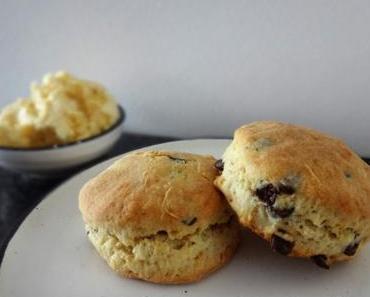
<point>60,157</point>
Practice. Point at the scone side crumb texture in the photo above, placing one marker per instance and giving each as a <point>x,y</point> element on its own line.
<point>157,216</point>
<point>61,109</point>
<point>323,205</point>
<point>159,259</point>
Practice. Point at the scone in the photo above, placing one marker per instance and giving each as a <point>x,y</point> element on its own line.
<point>157,216</point>
<point>303,191</point>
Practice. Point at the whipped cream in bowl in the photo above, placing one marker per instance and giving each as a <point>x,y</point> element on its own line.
<point>63,123</point>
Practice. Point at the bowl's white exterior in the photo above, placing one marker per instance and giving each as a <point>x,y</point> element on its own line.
<point>59,158</point>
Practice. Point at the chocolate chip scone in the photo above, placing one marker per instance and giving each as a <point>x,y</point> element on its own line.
<point>303,191</point>
<point>157,216</point>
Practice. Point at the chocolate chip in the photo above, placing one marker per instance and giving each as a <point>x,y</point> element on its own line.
<point>189,221</point>
<point>281,212</point>
<point>267,194</point>
<point>281,230</point>
<point>351,249</point>
<point>88,232</point>
<point>280,245</point>
<point>285,189</point>
<point>347,174</point>
<point>177,159</point>
<point>320,260</point>
<point>162,232</point>
<point>219,165</point>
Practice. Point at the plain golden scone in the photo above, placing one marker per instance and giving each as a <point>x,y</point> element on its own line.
<point>157,216</point>
<point>303,191</point>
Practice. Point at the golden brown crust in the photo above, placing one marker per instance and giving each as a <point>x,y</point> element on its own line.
<point>323,160</point>
<point>323,207</point>
<point>157,216</point>
<point>147,192</point>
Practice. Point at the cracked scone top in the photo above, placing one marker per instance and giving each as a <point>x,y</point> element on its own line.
<point>157,216</point>
<point>304,191</point>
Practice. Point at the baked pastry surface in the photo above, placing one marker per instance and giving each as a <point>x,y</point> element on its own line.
<point>157,216</point>
<point>305,192</point>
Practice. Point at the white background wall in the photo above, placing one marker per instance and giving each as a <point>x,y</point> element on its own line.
<point>195,68</point>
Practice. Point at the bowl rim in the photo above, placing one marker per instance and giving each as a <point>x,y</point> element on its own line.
<point>120,120</point>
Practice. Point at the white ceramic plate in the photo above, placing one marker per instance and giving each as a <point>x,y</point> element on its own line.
<point>51,256</point>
